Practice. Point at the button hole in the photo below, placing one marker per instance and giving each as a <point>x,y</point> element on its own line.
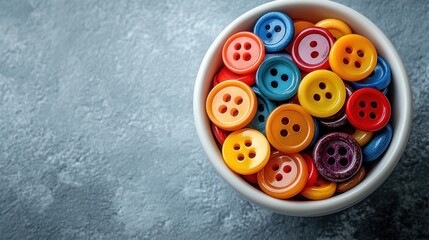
<point>361,114</point>
<point>234,112</point>
<point>287,169</point>
<point>313,44</point>
<point>357,64</point>
<point>261,118</point>
<point>279,177</point>
<point>285,121</point>
<point>284,77</point>
<point>349,50</point>
<point>238,100</point>
<point>316,97</point>
<point>275,167</point>
<point>331,151</point>
<point>247,56</point>
<point>252,155</point>
<point>314,54</point>
<point>269,35</point>
<point>273,72</point>
<point>240,157</point>
<point>360,53</point>
<point>344,162</point>
<point>223,109</point>
<point>226,97</point>
<point>247,45</point>
<point>362,104</point>
<point>342,151</point>
<point>237,46</point>
<point>296,127</point>
<point>236,146</point>
<point>277,28</point>
<point>283,133</point>
<point>346,61</point>
<point>372,115</point>
<point>236,56</point>
<point>267,27</point>
<point>331,161</point>
<point>374,105</point>
<point>274,84</point>
<point>261,107</point>
<point>328,95</point>
<point>248,143</point>
<point>322,85</point>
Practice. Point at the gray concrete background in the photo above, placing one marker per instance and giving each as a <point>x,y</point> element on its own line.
<point>97,136</point>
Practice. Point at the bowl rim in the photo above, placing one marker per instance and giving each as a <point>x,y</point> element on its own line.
<point>379,173</point>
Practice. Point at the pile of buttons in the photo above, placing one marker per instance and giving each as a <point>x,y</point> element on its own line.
<point>300,109</point>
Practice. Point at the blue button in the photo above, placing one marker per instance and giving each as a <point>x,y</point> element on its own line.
<point>275,29</point>
<point>316,133</point>
<point>378,144</point>
<point>265,107</point>
<point>385,91</point>
<point>278,78</point>
<point>281,54</point>
<point>379,79</point>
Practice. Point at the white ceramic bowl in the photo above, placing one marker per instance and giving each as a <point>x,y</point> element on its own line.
<point>400,92</point>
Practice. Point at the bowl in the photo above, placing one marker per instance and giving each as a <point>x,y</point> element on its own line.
<point>400,98</point>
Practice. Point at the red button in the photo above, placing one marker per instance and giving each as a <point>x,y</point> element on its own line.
<point>312,171</point>
<point>368,109</point>
<point>219,134</point>
<point>310,50</point>
<point>226,74</point>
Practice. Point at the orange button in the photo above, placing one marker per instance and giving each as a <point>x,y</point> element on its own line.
<point>284,176</point>
<point>336,27</point>
<point>353,57</point>
<point>290,128</point>
<point>300,25</point>
<point>322,189</point>
<point>231,105</point>
<point>243,52</point>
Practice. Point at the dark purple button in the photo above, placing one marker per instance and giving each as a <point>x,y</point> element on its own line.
<point>340,118</point>
<point>337,156</point>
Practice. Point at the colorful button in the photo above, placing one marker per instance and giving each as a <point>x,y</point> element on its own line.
<point>265,107</point>
<point>368,109</point>
<point>275,29</point>
<point>231,105</point>
<point>278,78</point>
<point>290,128</point>
<point>251,178</point>
<point>320,190</point>
<point>337,156</point>
<point>353,182</point>
<point>353,57</point>
<point>243,52</point>
<point>246,151</point>
<point>322,93</point>
<point>336,27</point>
<point>379,79</point>
<point>316,133</point>
<point>362,137</point>
<point>299,26</point>
<point>226,74</point>
<point>284,176</point>
<point>215,82</point>
<point>312,171</point>
<point>219,134</point>
<point>378,144</point>
<point>310,50</point>
<point>340,118</point>
<point>278,54</point>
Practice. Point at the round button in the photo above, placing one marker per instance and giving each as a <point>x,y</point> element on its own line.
<point>378,144</point>
<point>278,78</point>
<point>320,190</point>
<point>336,27</point>
<point>316,133</point>
<point>379,79</point>
<point>246,151</point>
<point>299,26</point>
<point>312,171</point>
<point>215,82</point>
<point>219,134</point>
<point>243,52</point>
<point>337,156</point>
<point>226,74</point>
<point>310,49</point>
<point>290,128</point>
<point>265,107</point>
<point>353,57</point>
<point>340,118</point>
<point>368,109</point>
<point>284,176</point>
<point>251,178</point>
<point>231,105</point>
<point>362,137</point>
<point>275,29</point>
<point>353,182</point>
<point>322,93</point>
<point>278,54</point>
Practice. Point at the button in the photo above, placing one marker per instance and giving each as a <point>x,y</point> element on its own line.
<point>353,57</point>
<point>312,171</point>
<point>279,54</point>
<point>337,156</point>
<point>246,151</point>
<point>215,82</point>
<point>322,93</point>
<point>231,105</point>
<point>310,50</point>
<point>368,109</point>
<point>284,176</point>
<point>278,78</point>
<point>378,144</point>
<point>265,107</point>
<point>275,29</point>
<point>219,133</point>
<point>226,74</point>
<point>316,133</point>
<point>385,91</point>
<point>251,178</point>
<point>299,26</point>
<point>379,79</point>
<point>353,182</point>
<point>290,128</point>
<point>243,52</point>
<point>320,190</point>
<point>340,118</point>
<point>362,137</point>
<point>336,27</point>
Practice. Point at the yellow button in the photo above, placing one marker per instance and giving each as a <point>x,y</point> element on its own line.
<point>290,128</point>
<point>322,93</point>
<point>336,27</point>
<point>231,105</point>
<point>353,57</point>
<point>362,137</point>
<point>246,151</point>
<point>322,189</point>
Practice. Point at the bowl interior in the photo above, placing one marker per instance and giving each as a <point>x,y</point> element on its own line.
<point>400,98</point>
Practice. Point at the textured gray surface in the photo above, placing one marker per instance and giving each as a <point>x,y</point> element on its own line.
<point>97,135</point>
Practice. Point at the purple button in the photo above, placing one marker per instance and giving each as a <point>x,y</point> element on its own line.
<point>340,118</point>
<point>337,156</point>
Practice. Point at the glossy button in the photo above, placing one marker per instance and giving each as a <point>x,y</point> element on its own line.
<point>353,57</point>
<point>312,171</point>
<point>243,52</point>
<point>353,182</point>
<point>219,134</point>
<point>379,79</point>
<point>278,54</point>
<point>275,29</point>
<point>337,156</point>
<point>320,190</point>
<point>336,27</point>
<point>290,128</point>
<point>299,26</point>
<point>322,93</point>
<point>278,78</point>
<point>265,107</point>
<point>284,176</point>
<point>251,178</point>
<point>246,151</point>
<point>340,118</point>
<point>378,144</point>
<point>362,137</point>
<point>368,109</point>
<point>310,50</point>
<point>316,133</point>
<point>226,74</point>
<point>231,105</point>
